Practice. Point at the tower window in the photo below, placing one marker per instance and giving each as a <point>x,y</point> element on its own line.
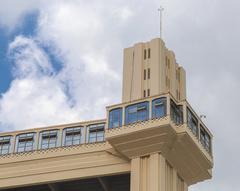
<point>159,108</point>
<point>145,54</point>
<point>149,53</point>
<point>145,75</point>
<point>115,118</point>
<point>176,113</point>
<point>144,93</point>
<point>205,139</point>
<point>148,91</point>
<point>192,122</point>
<point>137,112</point>
<point>148,73</point>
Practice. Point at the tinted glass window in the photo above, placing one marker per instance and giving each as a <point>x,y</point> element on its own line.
<point>205,139</point>
<point>159,108</point>
<point>5,143</point>
<point>192,122</point>
<point>176,113</point>
<point>115,118</point>
<point>137,112</point>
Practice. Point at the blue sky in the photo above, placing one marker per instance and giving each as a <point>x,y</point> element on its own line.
<point>26,28</point>
<point>65,63</point>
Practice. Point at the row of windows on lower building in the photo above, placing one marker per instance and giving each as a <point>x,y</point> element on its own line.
<point>51,139</point>
<point>140,112</point>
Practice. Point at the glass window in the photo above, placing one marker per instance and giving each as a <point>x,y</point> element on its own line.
<point>25,142</point>
<point>48,139</point>
<point>176,113</point>
<point>96,133</point>
<point>145,54</point>
<point>137,112</point>
<point>159,108</point>
<point>5,144</point>
<point>148,73</point>
<point>192,122</point>
<point>144,74</point>
<point>205,139</point>
<point>72,136</point>
<point>115,118</point>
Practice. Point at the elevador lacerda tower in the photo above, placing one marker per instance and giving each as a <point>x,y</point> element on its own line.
<point>154,137</point>
<point>169,146</point>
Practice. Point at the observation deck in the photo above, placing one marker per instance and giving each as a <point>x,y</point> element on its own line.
<point>161,125</point>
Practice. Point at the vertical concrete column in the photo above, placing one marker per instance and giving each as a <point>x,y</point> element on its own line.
<point>168,105</point>
<point>123,116</point>
<point>162,173</point>
<point>13,143</point>
<point>175,180</point>
<point>135,174</point>
<point>148,173</point>
<point>36,140</point>
<point>150,109</point>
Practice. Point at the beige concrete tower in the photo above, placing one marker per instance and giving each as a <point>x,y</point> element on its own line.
<point>150,69</point>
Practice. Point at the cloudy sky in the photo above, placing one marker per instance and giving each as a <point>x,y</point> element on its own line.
<point>61,61</point>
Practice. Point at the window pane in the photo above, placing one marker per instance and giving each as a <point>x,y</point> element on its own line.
<point>192,122</point>
<point>159,108</point>
<point>115,118</point>
<point>76,142</point>
<point>137,112</point>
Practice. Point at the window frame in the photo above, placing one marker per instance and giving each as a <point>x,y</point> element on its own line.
<point>3,144</point>
<point>138,107</point>
<point>176,113</point>
<point>70,133</point>
<point>48,135</point>
<point>196,130</point>
<point>27,138</point>
<point>205,139</point>
<point>154,107</point>
<point>96,126</point>
<point>111,121</point>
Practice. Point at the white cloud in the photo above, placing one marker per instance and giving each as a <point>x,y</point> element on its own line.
<point>36,96</point>
<point>29,60</point>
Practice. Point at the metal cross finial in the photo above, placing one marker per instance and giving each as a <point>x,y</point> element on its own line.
<point>161,9</point>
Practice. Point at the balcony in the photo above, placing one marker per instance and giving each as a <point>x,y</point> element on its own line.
<point>160,124</point>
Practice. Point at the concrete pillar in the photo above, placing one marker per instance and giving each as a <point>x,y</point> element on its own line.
<point>153,173</point>
<point>148,173</point>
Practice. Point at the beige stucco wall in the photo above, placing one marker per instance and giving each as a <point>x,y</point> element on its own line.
<point>163,72</point>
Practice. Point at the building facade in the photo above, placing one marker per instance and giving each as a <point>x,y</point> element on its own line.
<point>152,141</point>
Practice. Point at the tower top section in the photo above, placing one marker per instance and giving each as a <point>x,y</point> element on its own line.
<point>151,69</point>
